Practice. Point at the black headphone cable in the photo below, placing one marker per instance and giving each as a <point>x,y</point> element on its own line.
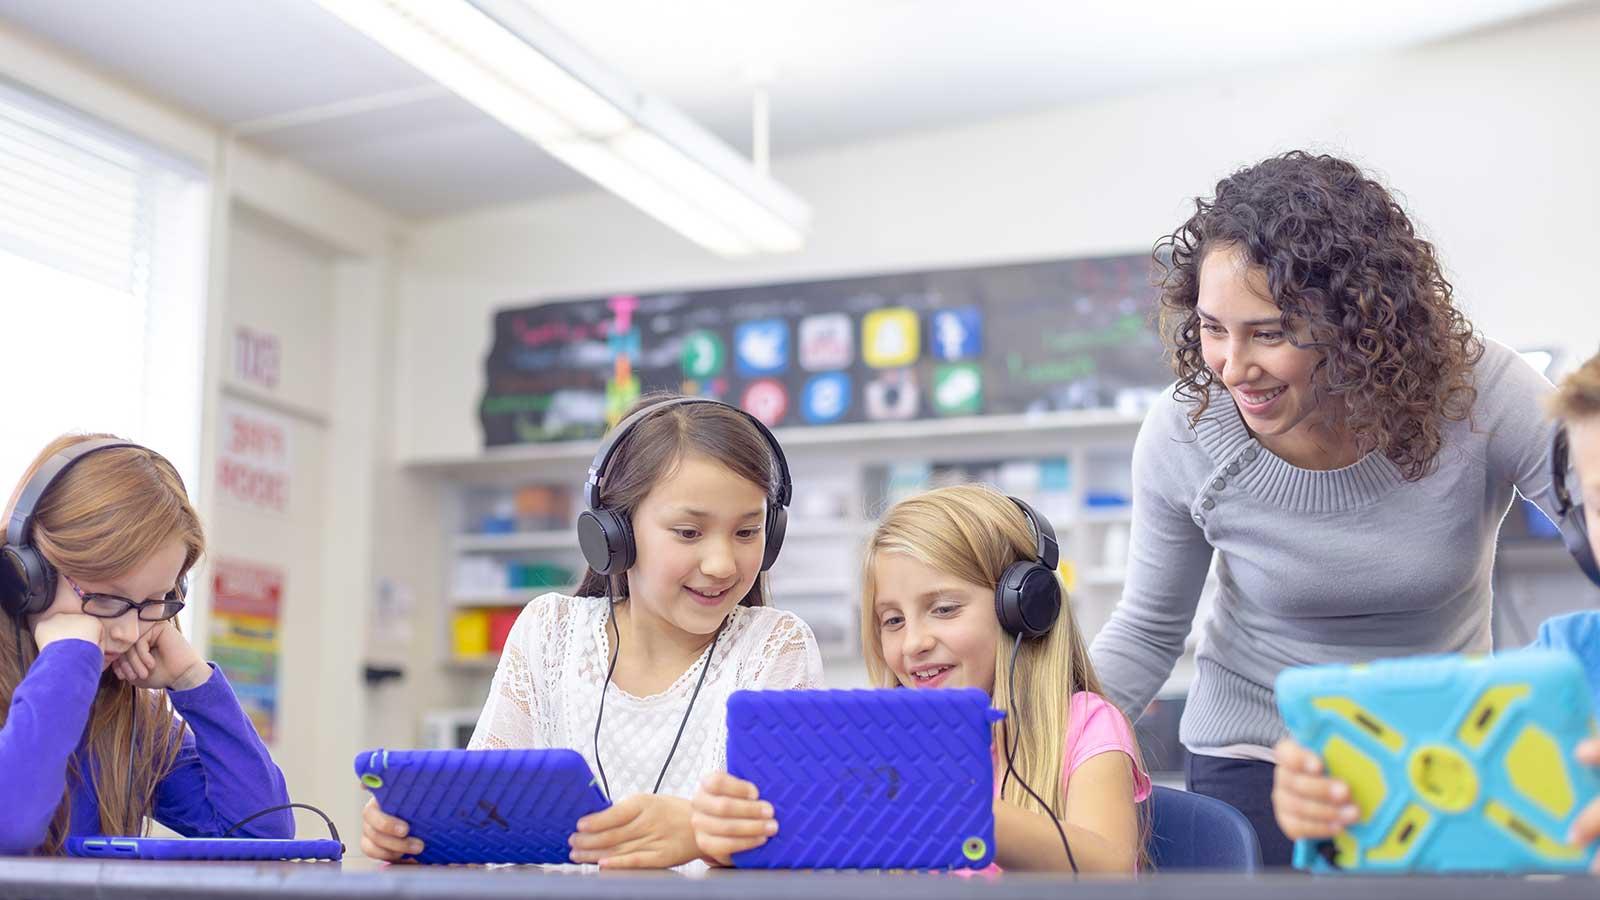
<point>1005,738</point>
<point>600,714</point>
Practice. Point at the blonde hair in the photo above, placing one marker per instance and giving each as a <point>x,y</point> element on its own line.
<point>1578,395</point>
<point>109,513</point>
<point>972,533</point>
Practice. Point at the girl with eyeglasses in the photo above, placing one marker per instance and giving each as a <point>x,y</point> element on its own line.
<point>95,674</point>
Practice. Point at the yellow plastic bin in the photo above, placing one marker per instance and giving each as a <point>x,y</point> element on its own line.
<point>469,633</point>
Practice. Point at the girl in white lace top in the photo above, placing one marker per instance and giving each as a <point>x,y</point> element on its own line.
<point>661,645</point>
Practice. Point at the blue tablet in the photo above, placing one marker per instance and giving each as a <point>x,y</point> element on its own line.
<point>107,847</point>
<point>484,806</point>
<point>868,779</point>
<point>1456,763</point>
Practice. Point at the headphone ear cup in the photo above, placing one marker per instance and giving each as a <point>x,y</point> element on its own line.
<point>13,582</point>
<point>606,540</point>
<point>29,581</point>
<point>1579,546</point>
<point>777,526</point>
<point>1028,599</point>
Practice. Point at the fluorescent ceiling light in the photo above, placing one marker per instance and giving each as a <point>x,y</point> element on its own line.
<point>501,57</point>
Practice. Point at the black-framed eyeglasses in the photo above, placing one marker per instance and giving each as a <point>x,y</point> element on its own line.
<point>110,606</point>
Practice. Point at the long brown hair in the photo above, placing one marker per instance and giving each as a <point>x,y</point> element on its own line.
<point>103,518</point>
<point>972,533</point>
<point>655,446</point>
<point>1340,255</point>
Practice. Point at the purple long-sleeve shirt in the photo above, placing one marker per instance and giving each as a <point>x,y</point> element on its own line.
<point>222,774</point>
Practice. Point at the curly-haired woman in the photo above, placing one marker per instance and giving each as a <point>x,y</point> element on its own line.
<point>1338,439</point>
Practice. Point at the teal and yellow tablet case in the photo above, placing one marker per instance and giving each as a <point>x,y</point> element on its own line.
<point>1456,763</point>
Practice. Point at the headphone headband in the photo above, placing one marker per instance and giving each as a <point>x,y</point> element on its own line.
<point>609,445</point>
<point>20,528</point>
<point>1047,550</point>
<point>27,580</point>
<point>606,535</point>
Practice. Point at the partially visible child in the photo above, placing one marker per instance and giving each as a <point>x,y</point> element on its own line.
<point>111,717</point>
<point>1311,805</point>
<point>929,620</point>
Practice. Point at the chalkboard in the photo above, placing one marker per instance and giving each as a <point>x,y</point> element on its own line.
<point>1028,337</point>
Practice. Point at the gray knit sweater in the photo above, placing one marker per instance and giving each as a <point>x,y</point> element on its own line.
<point>1312,566</point>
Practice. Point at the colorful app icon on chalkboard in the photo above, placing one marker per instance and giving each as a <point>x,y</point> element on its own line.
<point>767,400</point>
<point>703,355</point>
<point>892,395</point>
<point>826,399</point>
<point>889,338</point>
<point>714,388</point>
<point>825,342</point>
<point>761,347</point>
<point>957,389</point>
<point>956,333</point>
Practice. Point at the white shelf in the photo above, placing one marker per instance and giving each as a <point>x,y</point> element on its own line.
<point>485,663</point>
<point>813,587</point>
<point>1103,515</point>
<point>517,598</point>
<point>564,539</point>
<point>515,460</point>
<point>823,529</point>
<point>1534,554</point>
<point>1102,577</point>
<point>567,539</point>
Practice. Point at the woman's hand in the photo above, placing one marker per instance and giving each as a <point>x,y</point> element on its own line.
<point>162,658</point>
<point>384,837</point>
<point>645,831</point>
<point>1307,803</point>
<point>730,817</point>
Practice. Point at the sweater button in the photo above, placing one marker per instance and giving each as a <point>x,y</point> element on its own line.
<point>1233,468</point>
<point>1250,455</point>
<point>1208,503</point>
<point>1218,485</point>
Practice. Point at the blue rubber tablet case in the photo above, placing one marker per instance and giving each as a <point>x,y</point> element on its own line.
<point>484,806</point>
<point>868,779</point>
<point>107,847</point>
<point>1456,763</point>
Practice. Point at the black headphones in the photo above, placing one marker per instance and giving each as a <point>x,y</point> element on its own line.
<point>1576,535</point>
<point>606,536</point>
<point>1028,597</point>
<point>27,580</point>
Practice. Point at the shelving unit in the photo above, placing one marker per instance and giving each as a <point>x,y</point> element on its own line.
<point>499,464</point>
<point>818,574</point>
<point>516,599</point>
<point>503,543</point>
<point>833,514</point>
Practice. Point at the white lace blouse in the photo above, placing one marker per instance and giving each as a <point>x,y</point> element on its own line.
<point>546,692</point>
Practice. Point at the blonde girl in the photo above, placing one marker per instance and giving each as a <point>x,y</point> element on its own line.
<point>929,620</point>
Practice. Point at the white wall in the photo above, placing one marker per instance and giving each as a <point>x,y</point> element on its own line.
<point>303,259</point>
<point>1492,139</point>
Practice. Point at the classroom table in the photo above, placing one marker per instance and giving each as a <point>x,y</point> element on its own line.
<point>80,879</point>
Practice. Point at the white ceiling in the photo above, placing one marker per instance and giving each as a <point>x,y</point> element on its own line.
<point>846,70</point>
